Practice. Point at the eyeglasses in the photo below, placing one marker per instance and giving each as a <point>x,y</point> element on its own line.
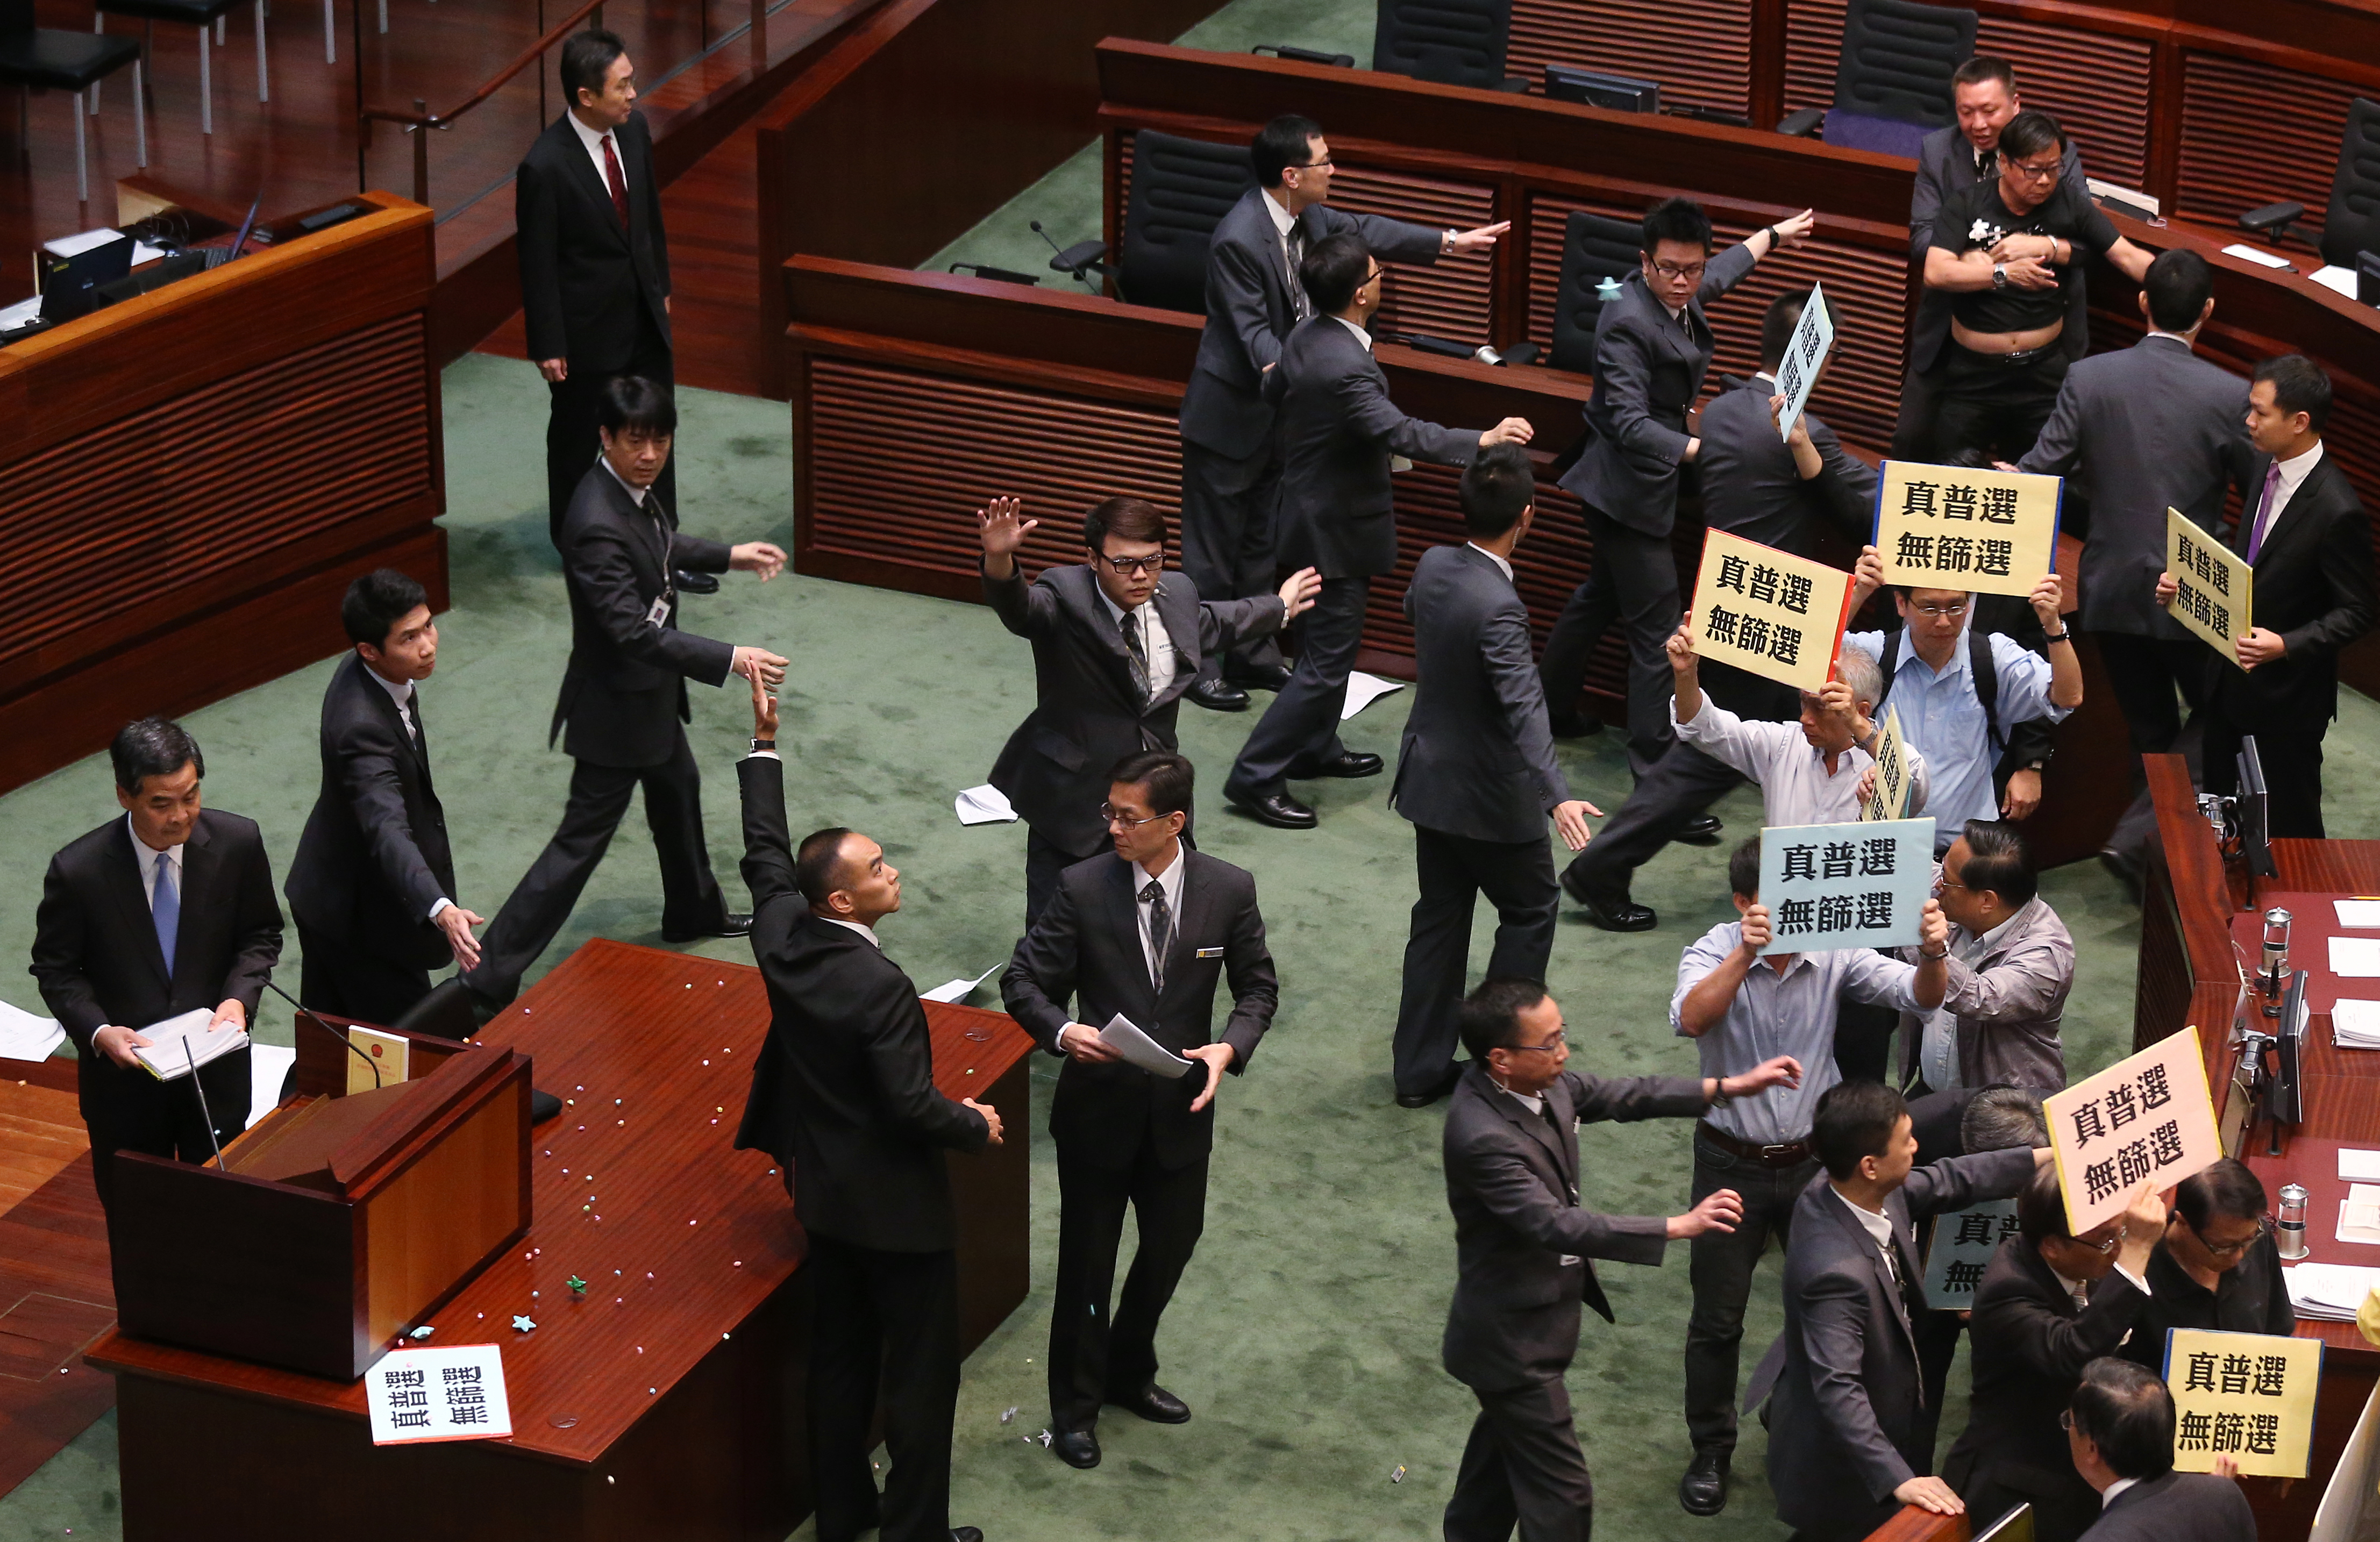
<point>2233,1249</point>
<point>1312,165</point>
<point>1133,567</point>
<point>1954,608</point>
<point>2032,173</point>
<point>1559,1042</point>
<point>1377,274</point>
<point>1107,813</point>
<point>1673,271</point>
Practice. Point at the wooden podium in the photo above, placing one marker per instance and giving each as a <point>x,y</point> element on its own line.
<point>332,1226</point>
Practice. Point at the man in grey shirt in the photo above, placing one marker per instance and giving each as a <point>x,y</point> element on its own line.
<point>1743,1010</point>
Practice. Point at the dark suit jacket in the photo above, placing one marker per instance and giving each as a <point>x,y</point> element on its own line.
<point>2029,1348</point>
<point>2178,1507</point>
<point>1477,758</point>
<point>1522,1243</point>
<point>374,856</point>
<point>1250,313</point>
<point>2314,587</point>
<point>96,958</point>
<point>1086,714</point>
<point>1946,164</point>
<point>582,278</point>
<point>625,684</point>
<point>1751,487</point>
<point>1338,429</point>
<point>1085,949</point>
<point>843,1093</point>
<point>2141,430</point>
<point>1648,372</point>
<point>1843,1431</point>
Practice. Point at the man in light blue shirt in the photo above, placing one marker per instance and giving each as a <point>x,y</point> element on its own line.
<point>1930,681</point>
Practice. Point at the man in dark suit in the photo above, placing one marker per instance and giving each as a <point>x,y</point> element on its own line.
<point>1523,1248</point>
<point>624,693</point>
<point>374,884</point>
<point>844,1096</point>
<point>1339,434</point>
<point>1475,773</point>
<point>2306,540</point>
<point>1782,492</point>
<point>1116,647</point>
<point>1844,1430</point>
<point>1951,160</point>
<point>594,261</point>
<point>1652,348</point>
<point>1144,932</point>
<point>2121,1438</point>
<point>2137,432</point>
<point>2049,1304</point>
<point>164,911</point>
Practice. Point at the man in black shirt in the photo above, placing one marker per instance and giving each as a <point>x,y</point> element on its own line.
<point>2217,1267</point>
<point>2007,250</point>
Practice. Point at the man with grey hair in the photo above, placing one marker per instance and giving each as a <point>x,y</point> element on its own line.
<point>2003,1118</point>
<point>2011,968</point>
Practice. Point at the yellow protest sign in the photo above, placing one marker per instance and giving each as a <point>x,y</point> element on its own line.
<point>1768,612</point>
<point>2216,591</point>
<point>2147,1116</point>
<point>1951,526</point>
<point>2247,1396</point>
<point>1889,799</point>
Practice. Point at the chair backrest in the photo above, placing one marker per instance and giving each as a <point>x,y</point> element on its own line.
<point>1180,189</point>
<point>1455,42</point>
<point>2352,223</point>
<point>1897,62</point>
<point>1594,248</point>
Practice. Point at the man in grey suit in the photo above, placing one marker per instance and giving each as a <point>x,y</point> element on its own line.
<point>1475,773</point>
<point>1230,458</point>
<point>1523,1245</point>
<point>1339,432</point>
<point>2119,1428</point>
<point>1652,348</point>
<point>1949,160</point>
<point>2140,431</point>
<point>1844,1432</point>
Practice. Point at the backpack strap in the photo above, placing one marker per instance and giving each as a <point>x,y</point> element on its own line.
<point>1985,670</point>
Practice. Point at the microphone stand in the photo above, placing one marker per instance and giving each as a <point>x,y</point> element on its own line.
<point>307,1013</point>
<point>205,1114</point>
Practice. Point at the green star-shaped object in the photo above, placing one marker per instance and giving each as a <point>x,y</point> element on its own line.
<point>578,1286</point>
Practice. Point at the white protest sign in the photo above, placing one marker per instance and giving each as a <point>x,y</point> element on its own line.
<point>1889,799</point>
<point>1797,373</point>
<point>455,1392</point>
<point>1964,1244</point>
<point>1846,885</point>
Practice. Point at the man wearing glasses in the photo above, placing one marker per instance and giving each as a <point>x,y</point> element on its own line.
<point>2011,968</point>
<point>2217,1268</point>
<point>1114,649</point>
<point>2008,251</point>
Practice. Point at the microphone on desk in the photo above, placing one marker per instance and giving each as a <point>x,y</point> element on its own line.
<point>307,1013</point>
<point>206,1114</point>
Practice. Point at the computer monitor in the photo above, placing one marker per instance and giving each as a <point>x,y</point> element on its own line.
<point>1620,94</point>
<point>2251,812</point>
<point>2288,1075</point>
<point>70,284</point>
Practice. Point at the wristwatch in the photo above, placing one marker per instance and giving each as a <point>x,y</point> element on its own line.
<point>764,744</point>
<point>1999,276</point>
<point>1719,1098</point>
<point>2058,636</point>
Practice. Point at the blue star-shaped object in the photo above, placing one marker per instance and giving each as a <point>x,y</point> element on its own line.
<point>421,1332</point>
<point>522,1325</point>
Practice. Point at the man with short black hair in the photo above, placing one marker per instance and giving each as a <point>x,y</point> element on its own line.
<point>2218,1267</point>
<point>1525,1250</point>
<point>1116,644</point>
<point>166,910</point>
<point>373,883</point>
<point>1231,455</point>
<point>1339,433</point>
<point>2119,1434</point>
<point>1476,772</point>
<point>1652,348</point>
<point>2010,968</point>
<point>1146,932</point>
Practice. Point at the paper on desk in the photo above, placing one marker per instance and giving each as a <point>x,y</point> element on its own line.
<point>2357,913</point>
<point>955,991</point>
<point>2329,1293</point>
<point>2355,957</point>
<point>984,805</point>
<point>2358,1214</point>
<point>26,1037</point>
<point>75,245</point>
<point>2338,278</point>
<point>268,1066</point>
<point>2356,1166</point>
<point>1363,690</point>
<point>1124,1036</point>
<point>2249,254</point>
<point>2355,1025</point>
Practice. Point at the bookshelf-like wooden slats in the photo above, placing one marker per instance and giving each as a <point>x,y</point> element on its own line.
<point>2253,134</point>
<point>1699,50</point>
<point>2097,86</point>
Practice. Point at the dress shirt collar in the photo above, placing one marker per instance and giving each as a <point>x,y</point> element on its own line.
<point>1170,881</point>
<point>399,691</point>
<point>1763,374</point>
<point>1117,612</point>
<point>1985,941</point>
<point>2169,336</point>
<point>2295,469</point>
<point>1876,1225</point>
<point>868,932</point>
<point>635,493</point>
<point>146,854</point>
<point>1283,220</point>
<point>2108,1496</point>
<point>1502,565</point>
<point>593,139</point>
<point>1361,336</point>
<point>1958,661</point>
<point>1533,1102</point>
<point>1986,162</point>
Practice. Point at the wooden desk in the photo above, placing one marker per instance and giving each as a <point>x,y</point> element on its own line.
<point>201,471</point>
<point>663,1402</point>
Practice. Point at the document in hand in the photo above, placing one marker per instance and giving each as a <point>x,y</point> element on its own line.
<point>1124,1036</point>
<point>178,1043</point>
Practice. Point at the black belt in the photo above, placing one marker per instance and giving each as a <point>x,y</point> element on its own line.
<point>1792,1153</point>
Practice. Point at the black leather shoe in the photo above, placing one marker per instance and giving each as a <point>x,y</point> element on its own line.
<point>1076,1448</point>
<point>1424,1099</point>
<point>1619,914</point>
<point>1154,1403</point>
<point>1703,1491</point>
<point>735,924</point>
<point>1703,830</point>
<point>1570,725</point>
<point>695,583</point>
<point>1258,679</point>
<point>1349,763</point>
<point>1218,695</point>
<point>967,1534</point>
<point>1277,809</point>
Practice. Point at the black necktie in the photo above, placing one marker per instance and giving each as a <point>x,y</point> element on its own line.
<point>412,714</point>
<point>1160,931</point>
<point>1295,244</point>
<point>1139,656</point>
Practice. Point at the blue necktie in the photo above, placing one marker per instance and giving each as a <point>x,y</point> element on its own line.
<point>165,909</point>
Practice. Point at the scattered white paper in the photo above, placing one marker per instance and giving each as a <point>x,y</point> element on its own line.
<point>178,1042</point>
<point>1363,690</point>
<point>23,313</point>
<point>268,1066</point>
<point>2355,1025</point>
<point>2359,1215</point>
<point>2329,1293</point>
<point>75,245</point>
<point>2249,254</point>
<point>984,805</point>
<point>2358,1167</point>
<point>2357,913</point>
<point>1124,1036</point>
<point>955,991</point>
<point>26,1037</point>
<point>2355,957</point>
<point>2341,280</point>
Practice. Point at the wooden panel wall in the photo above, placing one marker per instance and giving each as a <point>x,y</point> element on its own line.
<point>1812,45</point>
<point>1700,51</point>
<point>2095,85</point>
<point>2252,133</point>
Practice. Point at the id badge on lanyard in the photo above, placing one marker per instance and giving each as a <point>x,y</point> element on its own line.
<point>658,616</point>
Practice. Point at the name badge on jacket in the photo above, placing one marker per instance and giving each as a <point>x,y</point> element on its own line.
<point>1211,952</point>
<point>659,615</point>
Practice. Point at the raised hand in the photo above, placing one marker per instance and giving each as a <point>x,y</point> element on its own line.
<point>1002,528</point>
<point>1468,242</point>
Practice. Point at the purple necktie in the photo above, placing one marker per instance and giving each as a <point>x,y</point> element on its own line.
<point>2256,531</point>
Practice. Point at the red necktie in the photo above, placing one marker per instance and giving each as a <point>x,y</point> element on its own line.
<point>619,184</point>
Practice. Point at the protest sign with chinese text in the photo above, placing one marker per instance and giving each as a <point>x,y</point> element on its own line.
<point>2247,1396</point>
<point>2149,1116</point>
<point>1845,885</point>
<point>1889,799</point>
<point>1963,1242</point>
<point>2216,592</point>
<point>1951,526</point>
<point>1805,355</point>
<point>1768,612</point>
<point>452,1394</point>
